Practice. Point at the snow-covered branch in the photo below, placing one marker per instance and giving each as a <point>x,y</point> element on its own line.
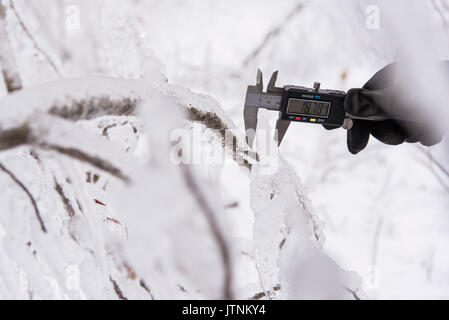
<point>36,45</point>
<point>216,229</point>
<point>8,66</point>
<point>28,193</point>
<point>58,119</point>
<point>273,33</point>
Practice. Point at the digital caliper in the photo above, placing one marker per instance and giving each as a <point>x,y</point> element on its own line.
<point>295,103</point>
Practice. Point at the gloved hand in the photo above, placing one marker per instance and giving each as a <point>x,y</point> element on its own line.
<point>380,95</point>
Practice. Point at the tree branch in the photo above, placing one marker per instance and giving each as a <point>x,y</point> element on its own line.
<point>97,162</point>
<point>24,135</point>
<point>273,33</point>
<point>437,164</point>
<point>260,295</point>
<point>145,287</point>
<point>33,40</point>
<point>117,289</point>
<point>28,193</point>
<point>65,200</point>
<point>215,229</point>
<point>214,122</point>
<point>8,66</point>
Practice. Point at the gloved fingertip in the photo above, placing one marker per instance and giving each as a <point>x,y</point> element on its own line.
<point>431,140</point>
<point>358,136</point>
<point>354,150</point>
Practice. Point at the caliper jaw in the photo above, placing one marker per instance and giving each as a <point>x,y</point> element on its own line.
<point>273,102</point>
<point>272,84</point>
<point>281,125</point>
<point>249,112</point>
<point>281,129</point>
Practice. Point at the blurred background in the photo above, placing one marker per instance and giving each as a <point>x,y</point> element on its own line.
<point>385,209</point>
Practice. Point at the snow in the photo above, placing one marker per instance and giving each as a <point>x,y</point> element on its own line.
<point>323,224</point>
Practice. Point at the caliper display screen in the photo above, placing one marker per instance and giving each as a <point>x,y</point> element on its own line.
<point>308,107</point>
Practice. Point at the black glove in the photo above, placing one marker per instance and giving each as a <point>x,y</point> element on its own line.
<point>380,95</point>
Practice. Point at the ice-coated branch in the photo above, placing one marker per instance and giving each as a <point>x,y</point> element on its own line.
<point>28,193</point>
<point>260,295</point>
<point>288,239</point>
<point>72,99</point>
<point>46,117</point>
<point>23,119</point>
<point>85,99</point>
<point>214,227</point>
<point>212,121</point>
<point>117,289</point>
<point>145,287</point>
<point>14,137</point>
<point>33,39</point>
<point>39,135</point>
<point>66,201</point>
<point>8,66</point>
<point>95,161</point>
<point>286,232</point>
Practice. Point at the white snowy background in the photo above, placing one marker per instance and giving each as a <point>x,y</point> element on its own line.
<point>381,215</point>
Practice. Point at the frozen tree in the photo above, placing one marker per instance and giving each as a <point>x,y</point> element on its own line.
<point>8,67</point>
<point>93,206</point>
<point>62,131</point>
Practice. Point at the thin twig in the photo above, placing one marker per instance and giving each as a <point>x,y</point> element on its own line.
<point>117,289</point>
<point>97,162</point>
<point>273,33</point>
<point>22,135</point>
<point>215,229</point>
<point>354,293</point>
<point>8,67</point>
<point>440,180</point>
<point>432,169</point>
<point>316,226</point>
<point>68,206</point>
<point>146,288</point>
<point>380,220</point>
<point>212,121</point>
<point>435,162</point>
<point>33,40</point>
<point>260,295</point>
<point>28,193</point>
